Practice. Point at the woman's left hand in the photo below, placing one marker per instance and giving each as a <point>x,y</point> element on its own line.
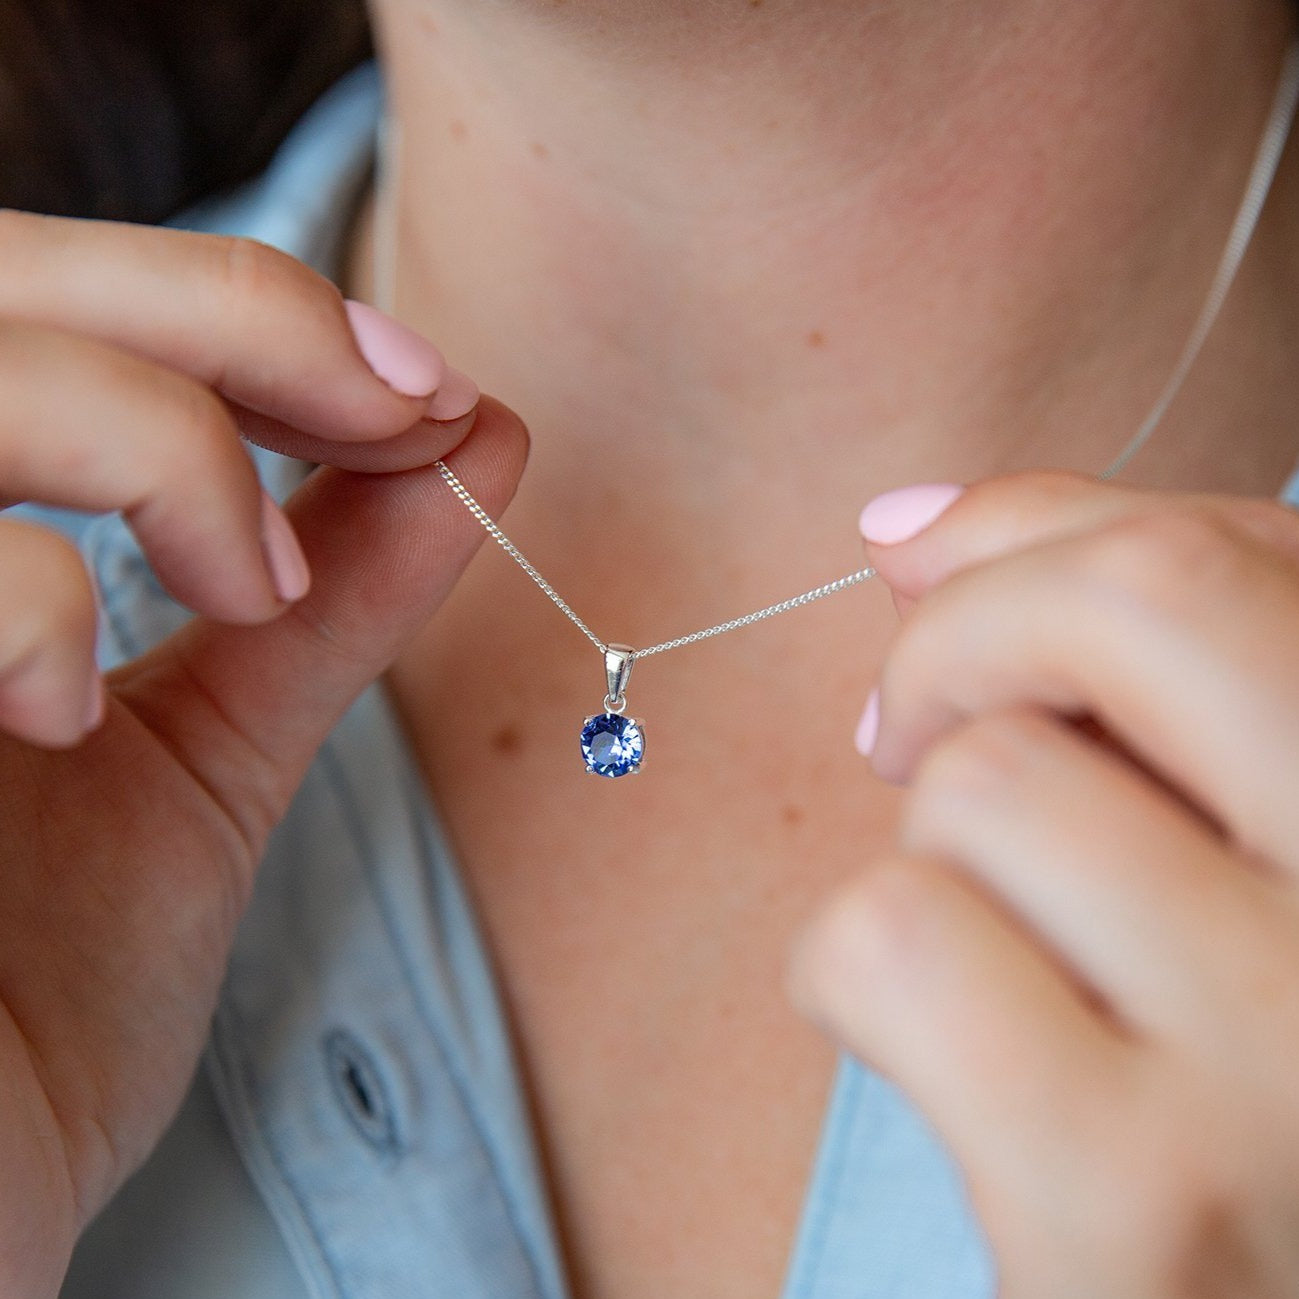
<point>1082,959</point>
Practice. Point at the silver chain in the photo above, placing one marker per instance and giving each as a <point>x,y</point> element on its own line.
<point>521,559</point>
<point>1266,161</point>
<point>514,552</point>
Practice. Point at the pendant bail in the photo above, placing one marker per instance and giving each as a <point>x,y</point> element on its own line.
<point>618,660</point>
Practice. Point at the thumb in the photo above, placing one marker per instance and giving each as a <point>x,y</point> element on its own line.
<point>245,708</point>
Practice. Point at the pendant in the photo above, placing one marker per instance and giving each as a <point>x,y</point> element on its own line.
<point>613,745</point>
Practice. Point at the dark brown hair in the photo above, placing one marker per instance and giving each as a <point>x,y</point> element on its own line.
<point>130,109</point>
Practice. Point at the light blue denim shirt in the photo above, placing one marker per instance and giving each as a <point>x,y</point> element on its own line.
<point>357,1128</point>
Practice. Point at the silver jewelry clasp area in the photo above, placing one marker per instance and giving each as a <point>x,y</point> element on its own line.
<point>618,660</point>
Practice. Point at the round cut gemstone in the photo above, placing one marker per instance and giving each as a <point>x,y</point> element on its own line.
<point>612,745</point>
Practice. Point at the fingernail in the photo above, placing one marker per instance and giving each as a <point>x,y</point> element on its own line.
<point>457,395</point>
<point>96,705</point>
<point>407,363</point>
<point>901,514</point>
<point>868,728</point>
<point>284,557</point>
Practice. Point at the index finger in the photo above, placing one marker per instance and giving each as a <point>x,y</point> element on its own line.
<point>1174,628</point>
<point>255,324</point>
<point>919,537</point>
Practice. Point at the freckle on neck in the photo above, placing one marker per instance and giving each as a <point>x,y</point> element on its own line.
<point>507,741</point>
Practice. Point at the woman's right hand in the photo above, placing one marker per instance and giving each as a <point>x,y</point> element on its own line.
<point>131,360</point>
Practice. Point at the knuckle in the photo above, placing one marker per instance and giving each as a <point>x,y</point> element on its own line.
<point>881,921</point>
<point>190,466</point>
<point>249,272</point>
<point>52,560</point>
<point>248,782</point>
<point>1162,559</point>
<point>1037,492</point>
<point>211,435</point>
<point>48,590</point>
<point>991,753</point>
<point>825,956</point>
<point>1270,522</point>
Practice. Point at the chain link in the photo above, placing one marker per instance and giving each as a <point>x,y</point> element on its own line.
<point>514,552</point>
<point>770,611</point>
<point>494,531</point>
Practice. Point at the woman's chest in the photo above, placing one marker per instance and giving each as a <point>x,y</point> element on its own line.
<point>677,1098</point>
<point>640,931</point>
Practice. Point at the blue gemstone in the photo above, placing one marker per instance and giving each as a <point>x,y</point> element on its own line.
<point>612,745</point>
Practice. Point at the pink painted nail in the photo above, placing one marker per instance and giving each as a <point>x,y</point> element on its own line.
<point>284,557</point>
<point>407,363</point>
<point>901,514</point>
<point>457,395</point>
<point>868,728</point>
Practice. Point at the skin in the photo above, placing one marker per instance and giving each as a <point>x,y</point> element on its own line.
<point>116,921</point>
<point>1081,955</point>
<point>816,279</point>
<point>1025,314</point>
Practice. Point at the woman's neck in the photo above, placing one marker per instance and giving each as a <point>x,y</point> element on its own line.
<point>805,250</point>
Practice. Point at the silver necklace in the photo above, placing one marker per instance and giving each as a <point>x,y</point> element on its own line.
<point>612,743</point>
